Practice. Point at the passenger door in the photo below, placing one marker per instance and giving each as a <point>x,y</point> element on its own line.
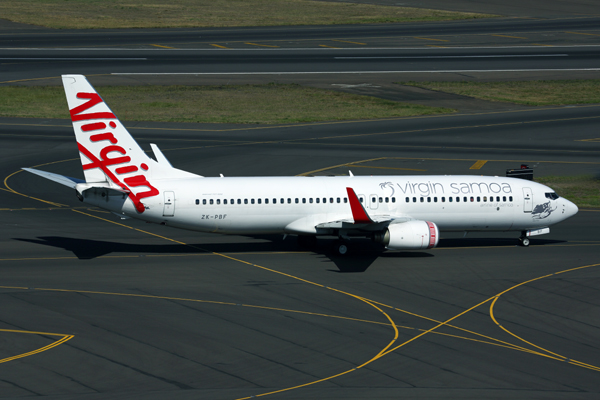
<point>527,200</point>
<point>169,208</point>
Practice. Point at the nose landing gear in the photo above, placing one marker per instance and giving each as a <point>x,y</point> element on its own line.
<point>524,240</point>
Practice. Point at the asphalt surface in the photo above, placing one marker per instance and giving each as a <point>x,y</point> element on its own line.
<point>280,62</point>
<point>513,8</point>
<point>95,307</point>
<point>162,313</point>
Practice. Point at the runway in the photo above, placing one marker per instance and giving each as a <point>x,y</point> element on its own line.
<point>95,307</point>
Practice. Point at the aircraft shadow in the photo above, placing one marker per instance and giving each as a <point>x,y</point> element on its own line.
<point>492,242</point>
<point>84,249</point>
<point>362,256</point>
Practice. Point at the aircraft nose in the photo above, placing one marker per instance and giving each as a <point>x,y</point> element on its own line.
<point>570,209</point>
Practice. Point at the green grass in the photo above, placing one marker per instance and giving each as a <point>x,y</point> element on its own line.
<point>583,190</point>
<point>242,104</point>
<point>84,14</point>
<point>531,93</point>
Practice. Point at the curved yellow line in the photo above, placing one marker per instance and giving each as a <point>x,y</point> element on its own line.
<point>547,353</point>
<point>64,339</point>
<point>377,356</point>
<point>386,350</point>
<point>31,197</point>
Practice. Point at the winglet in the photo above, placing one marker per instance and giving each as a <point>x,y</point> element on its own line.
<point>358,211</point>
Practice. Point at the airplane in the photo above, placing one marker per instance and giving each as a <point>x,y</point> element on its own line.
<point>400,212</point>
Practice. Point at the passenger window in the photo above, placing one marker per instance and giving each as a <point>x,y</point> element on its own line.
<point>304,200</point>
<point>510,198</point>
<point>345,199</point>
<point>381,200</point>
<point>472,199</point>
<point>408,199</point>
<point>361,200</point>
<point>387,199</point>
<point>267,201</point>
<point>251,201</point>
<point>224,201</point>
<point>503,198</point>
<point>324,200</point>
<point>317,200</point>
<point>245,201</point>
<point>429,199</point>
<point>211,201</point>
<point>297,200</point>
<point>393,199</point>
<point>259,201</point>
<point>339,200</point>
<point>457,199</point>
<point>274,201</point>
<point>197,201</point>
<point>239,201</point>
<point>310,200</point>
<point>204,202</point>
<point>449,199</point>
<point>484,199</point>
<point>465,199</point>
<point>282,201</point>
<point>422,199</point>
<point>218,201</point>
<point>414,199</point>
<point>443,199</point>
<point>478,199</point>
<point>435,199</point>
<point>331,199</point>
<point>373,199</point>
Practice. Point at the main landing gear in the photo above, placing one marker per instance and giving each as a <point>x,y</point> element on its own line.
<point>341,247</point>
<point>524,240</point>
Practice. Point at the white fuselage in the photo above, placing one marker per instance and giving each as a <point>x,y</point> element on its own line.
<point>299,204</point>
<point>400,212</point>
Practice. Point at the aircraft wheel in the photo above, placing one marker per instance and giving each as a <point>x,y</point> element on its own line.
<point>341,247</point>
<point>524,241</point>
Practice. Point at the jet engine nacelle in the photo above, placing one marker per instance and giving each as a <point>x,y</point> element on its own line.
<point>410,235</point>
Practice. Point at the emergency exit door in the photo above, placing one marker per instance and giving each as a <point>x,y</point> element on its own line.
<point>169,209</point>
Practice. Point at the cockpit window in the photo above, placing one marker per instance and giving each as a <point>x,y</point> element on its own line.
<point>551,196</point>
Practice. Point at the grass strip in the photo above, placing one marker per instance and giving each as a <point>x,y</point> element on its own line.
<point>583,190</point>
<point>531,93</point>
<point>86,14</point>
<point>237,104</point>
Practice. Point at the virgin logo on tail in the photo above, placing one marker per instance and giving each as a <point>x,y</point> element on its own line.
<point>111,154</point>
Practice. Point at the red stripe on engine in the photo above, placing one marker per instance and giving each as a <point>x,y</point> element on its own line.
<point>432,234</point>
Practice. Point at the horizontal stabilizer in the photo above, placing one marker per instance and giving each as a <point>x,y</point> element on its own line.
<point>63,180</point>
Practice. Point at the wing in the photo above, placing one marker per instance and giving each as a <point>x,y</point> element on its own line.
<point>360,218</point>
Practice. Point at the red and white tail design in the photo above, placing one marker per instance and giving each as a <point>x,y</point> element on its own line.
<point>109,155</point>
